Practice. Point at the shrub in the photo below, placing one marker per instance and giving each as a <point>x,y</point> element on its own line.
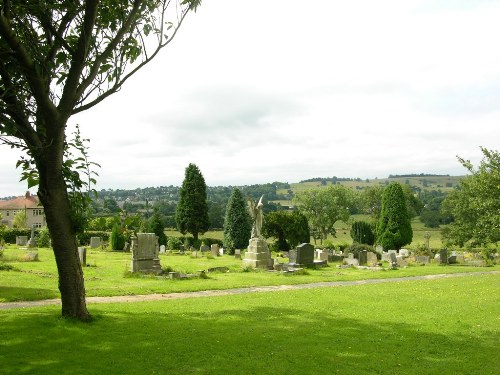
<point>43,237</point>
<point>361,232</point>
<point>175,243</point>
<point>356,248</point>
<point>10,234</point>
<point>84,238</point>
<point>117,238</point>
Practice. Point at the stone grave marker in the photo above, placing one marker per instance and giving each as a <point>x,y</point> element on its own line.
<point>237,254</point>
<point>422,259</point>
<point>443,256</point>
<point>350,255</point>
<point>82,256</point>
<point>162,249</point>
<point>393,260</point>
<point>214,249</point>
<point>95,242</point>
<point>145,251</point>
<point>32,240</point>
<point>126,247</point>
<point>204,248</point>
<point>221,251</point>
<point>363,257</point>
<point>302,254</point>
<point>257,254</point>
<point>379,249</point>
<point>386,257</point>
<point>21,240</point>
<point>351,262</point>
<point>404,252</point>
<point>401,261</point>
<point>371,259</point>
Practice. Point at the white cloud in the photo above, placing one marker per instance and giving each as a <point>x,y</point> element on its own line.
<point>258,91</point>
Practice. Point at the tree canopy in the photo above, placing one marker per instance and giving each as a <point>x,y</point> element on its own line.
<point>237,223</point>
<point>324,207</point>
<point>290,228</point>
<point>394,227</point>
<point>475,204</point>
<point>59,58</point>
<point>192,209</point>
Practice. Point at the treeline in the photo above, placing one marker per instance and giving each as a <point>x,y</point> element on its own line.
<point>418,175</point>
<point>333,179</point>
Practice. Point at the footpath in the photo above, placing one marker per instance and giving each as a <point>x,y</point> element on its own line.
<point>226,292</point>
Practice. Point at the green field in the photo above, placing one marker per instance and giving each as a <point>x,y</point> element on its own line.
<point>108,275</point>
<point>445,326</point>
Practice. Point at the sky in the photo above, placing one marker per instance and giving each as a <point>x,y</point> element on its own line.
<point>256,91</point>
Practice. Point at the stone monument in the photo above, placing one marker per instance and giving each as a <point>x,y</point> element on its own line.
<point>32,240</point>
<point>302,255</point>
<point>257,254</point>
<point>145,251</point>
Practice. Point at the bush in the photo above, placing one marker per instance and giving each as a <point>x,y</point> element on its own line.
<point>43,237</point>
<point>356,248</point>
<point>117,238</point>
<point>84,238</point>
<point>361,232</point>
<point>175,243</point>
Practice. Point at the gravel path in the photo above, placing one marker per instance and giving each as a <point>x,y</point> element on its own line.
<point>257,289</point>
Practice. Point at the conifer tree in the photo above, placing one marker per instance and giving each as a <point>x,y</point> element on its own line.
<point>191,214</point>
<point>394,227</point>
<point>155,225</point>
<point>237,223</point>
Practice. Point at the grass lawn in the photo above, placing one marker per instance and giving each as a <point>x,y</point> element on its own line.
<point>108,275</point>
<point>445,326</point>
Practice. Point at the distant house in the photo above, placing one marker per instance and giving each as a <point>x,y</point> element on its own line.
<point>28,203</point>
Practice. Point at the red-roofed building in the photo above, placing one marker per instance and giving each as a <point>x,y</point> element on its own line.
<point>27,203</point>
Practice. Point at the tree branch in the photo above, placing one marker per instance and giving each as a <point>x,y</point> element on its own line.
<point>117,86</point>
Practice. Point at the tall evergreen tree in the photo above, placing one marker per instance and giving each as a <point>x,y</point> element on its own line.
<point>394,227</point>
<point>155,225</point>
<point>191,214</point>
<point>237,223</point>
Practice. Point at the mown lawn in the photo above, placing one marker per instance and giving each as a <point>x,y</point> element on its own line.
<point>108,275</point>
<point>445,326</point>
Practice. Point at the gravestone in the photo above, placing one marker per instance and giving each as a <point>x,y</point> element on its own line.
<point>21,240</point>
<point>322,254</point>
<point>221,251</point>
<point>257,254</point>
<point>145,251</point>
<point>363,257</point>
<point>162,249</point>
<point>214,249</point>
<point>237,254</point>
<point>95,242</point>
<point>379,249</point>
<point>452,259</point>
<point>350,255</point>
<point>82,256</point>
<point>302,254</point>
<point>386,257</point>
<point>204,248</point>
<point>392,251</point>
<point>443,256</point>
<point>371,259</point>
<point>32,240</point>
<point>401,261</point>
<point>404,252</point>
<point>30,256</point>
<point>393,260</point>
<point>351,262</point>
<point>126,247</point>
<point>422,259</point>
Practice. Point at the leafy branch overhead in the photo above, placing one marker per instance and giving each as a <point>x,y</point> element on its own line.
<point>79,52</point>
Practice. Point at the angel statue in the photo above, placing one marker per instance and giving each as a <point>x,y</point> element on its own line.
<point>257,217</point>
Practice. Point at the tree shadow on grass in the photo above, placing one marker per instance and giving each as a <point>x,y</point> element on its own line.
<point>243,337</point>
<point>15,294</point>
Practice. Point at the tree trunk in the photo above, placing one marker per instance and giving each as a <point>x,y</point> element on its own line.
<point>54,198</point>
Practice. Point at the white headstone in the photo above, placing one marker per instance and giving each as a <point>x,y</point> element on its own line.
<point>162,249</point>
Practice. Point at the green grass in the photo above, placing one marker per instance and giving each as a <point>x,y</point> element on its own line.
<point>446,326</point>
<point>106,275</point>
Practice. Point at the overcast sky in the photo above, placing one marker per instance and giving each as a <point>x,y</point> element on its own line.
<point>255,91</point>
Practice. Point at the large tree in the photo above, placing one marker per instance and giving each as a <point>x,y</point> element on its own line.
<point>475,205</point>
<point>324,207</point>
<point>192,210</point>
<point>290,228</point>
<point>393,226</point>
<point>237,223</point>
<point>59,58</point>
